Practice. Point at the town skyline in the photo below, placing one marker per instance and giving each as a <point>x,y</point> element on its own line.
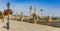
<point>50,7</point>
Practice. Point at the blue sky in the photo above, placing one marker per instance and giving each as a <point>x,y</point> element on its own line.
<point>50,7</point>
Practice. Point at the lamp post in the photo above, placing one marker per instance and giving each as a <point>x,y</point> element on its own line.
<point>41,12</point>
<point>8,5</point>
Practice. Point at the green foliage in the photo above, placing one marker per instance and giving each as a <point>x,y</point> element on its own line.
<point>31,20</point>
<point>46,18</point>
<point>0,13</point>
<point>54,18</point>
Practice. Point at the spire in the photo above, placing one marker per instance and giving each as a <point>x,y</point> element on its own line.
<point>30,10</point>
<point>35,10</point>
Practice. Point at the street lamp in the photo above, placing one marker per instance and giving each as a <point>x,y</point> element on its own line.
<point>8,5</point>
<point>41,12</point>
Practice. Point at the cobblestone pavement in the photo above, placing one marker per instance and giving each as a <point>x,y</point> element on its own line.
<point>25,26</point>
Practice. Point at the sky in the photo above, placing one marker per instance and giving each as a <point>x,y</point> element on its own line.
<point>50,7</point>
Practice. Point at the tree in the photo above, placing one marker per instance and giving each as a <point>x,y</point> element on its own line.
<point>0,13</point>
<point>7,11</point>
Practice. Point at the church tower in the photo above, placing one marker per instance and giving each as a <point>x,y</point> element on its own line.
<point>30,10</point>
<point>35,12</point>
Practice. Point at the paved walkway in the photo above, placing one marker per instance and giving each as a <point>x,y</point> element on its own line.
<point>24,26</point>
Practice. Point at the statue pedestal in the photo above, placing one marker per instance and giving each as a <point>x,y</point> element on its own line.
<point>35,21</point>
<point>22,18</point>
<point>50,20</point>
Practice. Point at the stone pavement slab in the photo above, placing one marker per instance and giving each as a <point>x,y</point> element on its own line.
<point>25,26</point>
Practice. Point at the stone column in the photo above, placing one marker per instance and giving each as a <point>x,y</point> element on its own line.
<point>16,16</point>
<point>2,19</point>
<point>22,16</point>
<point>50,18</point>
